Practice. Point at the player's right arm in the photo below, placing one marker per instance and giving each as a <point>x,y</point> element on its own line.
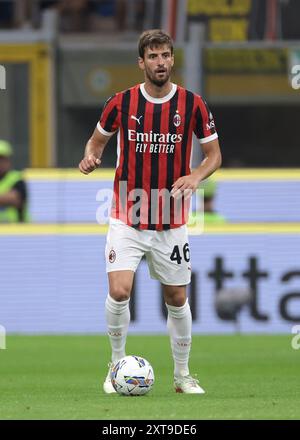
<point>93,152</point>
<point>106,127</point>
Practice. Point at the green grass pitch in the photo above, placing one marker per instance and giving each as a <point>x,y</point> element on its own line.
<point>60,377</point>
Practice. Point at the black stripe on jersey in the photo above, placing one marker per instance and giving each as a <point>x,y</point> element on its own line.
<point>172,130</point>
<point>212,130</point>
<point>111,119</point>
<point>140,128</point>
<point>154,167</point>
<point>171,157</point>
<point>139,156</point>
<point>189,104</point>
<point>124,122</point>
<point>199,124</point>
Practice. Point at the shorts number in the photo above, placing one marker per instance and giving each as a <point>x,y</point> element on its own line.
<point>186,252</point>
<point>175,256</point>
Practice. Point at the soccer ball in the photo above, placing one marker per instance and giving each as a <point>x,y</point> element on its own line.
<point>132,376</point>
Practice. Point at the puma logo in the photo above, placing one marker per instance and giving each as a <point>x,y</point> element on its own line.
<point>136,119</point>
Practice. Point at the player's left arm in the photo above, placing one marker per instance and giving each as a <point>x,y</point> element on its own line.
<point>211,162</point>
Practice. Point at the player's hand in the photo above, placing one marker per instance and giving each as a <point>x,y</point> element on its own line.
<point>89,163</point>
<point>185,186</point>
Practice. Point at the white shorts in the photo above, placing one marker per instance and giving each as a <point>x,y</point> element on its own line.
<point>167,252</point>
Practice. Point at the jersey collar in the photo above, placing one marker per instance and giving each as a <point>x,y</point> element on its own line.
<point>158,100</point>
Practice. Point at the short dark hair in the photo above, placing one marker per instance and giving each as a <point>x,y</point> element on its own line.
<point>153,38</point>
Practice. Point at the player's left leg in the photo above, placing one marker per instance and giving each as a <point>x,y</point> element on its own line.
<point>169,262</point>
<point>180,328</point>
<point>179,324</point>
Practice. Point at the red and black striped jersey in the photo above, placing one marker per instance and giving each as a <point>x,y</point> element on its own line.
<point>154,150</point>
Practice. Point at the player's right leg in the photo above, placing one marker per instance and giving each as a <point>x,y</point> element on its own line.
<point>117,311</point>
<point>124,250</point>
<point>117,317</point>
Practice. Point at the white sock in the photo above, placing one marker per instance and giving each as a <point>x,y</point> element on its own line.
<point>180,327</point>
<point>117,317</point>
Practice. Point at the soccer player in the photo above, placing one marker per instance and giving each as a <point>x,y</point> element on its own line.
<point>154,121</point>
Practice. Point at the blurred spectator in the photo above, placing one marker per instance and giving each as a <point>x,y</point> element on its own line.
<point>17,14</point>
<point>80,15</point>
<point>98,15</point>
<point>88,15</point>
<point>209,187</point>
<point>74,15</point>
<point>7,14</point>
<point>104,15</point>
<point>13,194</point>
<point>139,15</point>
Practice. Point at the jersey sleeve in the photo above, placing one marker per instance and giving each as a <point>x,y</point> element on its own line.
<point>109,121</point>
<point>204,124</point>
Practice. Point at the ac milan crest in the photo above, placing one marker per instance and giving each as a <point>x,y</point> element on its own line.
<point>177,119</point>
<point>112,256</point>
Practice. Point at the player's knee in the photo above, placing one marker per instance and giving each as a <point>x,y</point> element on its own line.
<point>178,301</point>
<point>120,292</point>
<point>175,297</point>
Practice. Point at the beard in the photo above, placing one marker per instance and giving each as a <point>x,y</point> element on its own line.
<point>155,80</point>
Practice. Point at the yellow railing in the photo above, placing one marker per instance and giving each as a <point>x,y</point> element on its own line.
<point>95,229</point>
<point>220,175</point>
<point>37,55</point>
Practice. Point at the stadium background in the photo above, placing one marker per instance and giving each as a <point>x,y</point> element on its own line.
<point>61,63</point>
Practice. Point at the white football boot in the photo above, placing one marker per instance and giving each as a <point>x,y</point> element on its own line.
<point>187,385</point>
<point>107,385</point>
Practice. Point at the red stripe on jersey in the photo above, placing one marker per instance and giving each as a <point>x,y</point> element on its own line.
<point>190,137</point>
<point>180,129</point>
<point>185,212</point>
<point>181,104</point>
<point>163,162</point>
<point>178,152</point>
<point>115,211</point>
<point>132,125</point>
<point>186,207</point>
<point>147,167</point>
